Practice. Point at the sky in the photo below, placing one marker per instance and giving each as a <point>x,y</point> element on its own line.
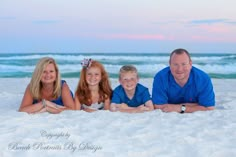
<point>201,26</point>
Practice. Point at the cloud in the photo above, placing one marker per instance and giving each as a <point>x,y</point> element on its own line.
<point>232,22</point>
<point>7,18</point>
<point>46,21</point>
<point>212,21</point>
<point>203,38</point>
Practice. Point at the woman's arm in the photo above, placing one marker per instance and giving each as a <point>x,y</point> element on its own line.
<point>27,103</point>
<point>53,108</point>
<point>67,98</point>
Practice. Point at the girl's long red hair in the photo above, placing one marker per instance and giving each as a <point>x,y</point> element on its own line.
<point>83,93</point>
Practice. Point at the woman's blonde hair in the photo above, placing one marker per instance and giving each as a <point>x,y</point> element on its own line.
<point>83,93</point>
<point>35,85</point>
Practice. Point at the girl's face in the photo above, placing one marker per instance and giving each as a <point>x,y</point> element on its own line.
<point>49,74</point>
<point>129,80</point>
<point>93,76</point>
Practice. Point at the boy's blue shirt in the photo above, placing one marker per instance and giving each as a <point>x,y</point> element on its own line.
<point>140,97</point>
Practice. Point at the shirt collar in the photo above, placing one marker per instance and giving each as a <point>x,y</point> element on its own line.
<point>189,82</point>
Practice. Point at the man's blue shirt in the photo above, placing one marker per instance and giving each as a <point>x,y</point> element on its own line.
<point>198,89</point>
<point>140,97</point>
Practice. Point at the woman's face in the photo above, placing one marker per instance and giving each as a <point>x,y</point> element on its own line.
<point>49,74</point>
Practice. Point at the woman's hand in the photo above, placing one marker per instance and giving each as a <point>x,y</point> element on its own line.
<point>53,105</point>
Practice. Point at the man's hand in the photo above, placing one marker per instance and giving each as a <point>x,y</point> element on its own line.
<point>170,108</point>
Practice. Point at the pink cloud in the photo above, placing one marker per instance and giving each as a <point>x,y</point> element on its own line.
<point>214,29</point>
<point>213,38</point>
<point>199,37</point>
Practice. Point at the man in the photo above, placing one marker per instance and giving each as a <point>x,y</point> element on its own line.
<point>182,87</point>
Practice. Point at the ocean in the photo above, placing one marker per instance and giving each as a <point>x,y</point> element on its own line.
<point>21,65</point>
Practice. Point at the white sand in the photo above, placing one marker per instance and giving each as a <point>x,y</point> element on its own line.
<point>107,134</point>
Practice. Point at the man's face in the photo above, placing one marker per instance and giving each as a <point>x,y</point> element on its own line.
<point>180,66</point>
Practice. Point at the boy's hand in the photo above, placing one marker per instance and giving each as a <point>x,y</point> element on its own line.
<point>123,106</point>
<point>143,108</point>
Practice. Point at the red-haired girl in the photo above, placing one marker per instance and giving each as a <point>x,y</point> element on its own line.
<point>94,90</point>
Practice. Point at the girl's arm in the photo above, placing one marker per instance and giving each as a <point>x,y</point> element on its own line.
<point>107,104</point>
<point>88,110</point>
<point>77,104</point>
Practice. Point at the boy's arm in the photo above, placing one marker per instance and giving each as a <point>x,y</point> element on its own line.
<point>125,108</point>
<point>119,107</point>
<point>149,105</point>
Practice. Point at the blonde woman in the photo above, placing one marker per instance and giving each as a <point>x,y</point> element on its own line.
<point>46,91</point>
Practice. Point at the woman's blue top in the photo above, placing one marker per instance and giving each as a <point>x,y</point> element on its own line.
<point>57,101</point>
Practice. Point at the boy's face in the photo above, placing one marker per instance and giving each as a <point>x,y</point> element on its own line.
<point>129,80</point>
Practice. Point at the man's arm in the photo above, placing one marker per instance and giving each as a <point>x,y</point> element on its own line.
<point>190,107</point>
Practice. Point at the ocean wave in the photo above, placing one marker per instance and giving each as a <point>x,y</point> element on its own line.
<point>20,65</point>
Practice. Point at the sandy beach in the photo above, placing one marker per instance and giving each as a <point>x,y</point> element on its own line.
<point>104,133</point>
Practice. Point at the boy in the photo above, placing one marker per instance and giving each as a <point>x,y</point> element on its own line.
<point>130,96</point>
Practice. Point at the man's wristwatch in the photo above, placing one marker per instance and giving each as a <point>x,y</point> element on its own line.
<point>183,108</point>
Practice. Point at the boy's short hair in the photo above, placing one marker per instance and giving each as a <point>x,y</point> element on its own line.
<point>128,68</point>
